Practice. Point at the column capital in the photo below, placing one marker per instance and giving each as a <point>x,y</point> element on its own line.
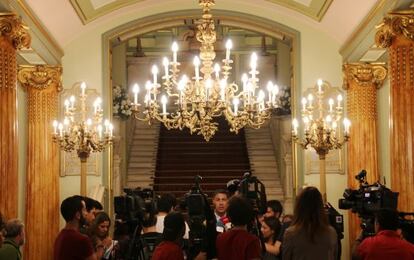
<point>40,77</point>
<point>12,26</point>
<point>399,23</point>
<point>364,74</point>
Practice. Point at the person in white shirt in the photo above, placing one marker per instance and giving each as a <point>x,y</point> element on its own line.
<point>166,205</point>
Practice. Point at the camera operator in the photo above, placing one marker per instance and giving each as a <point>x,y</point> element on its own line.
<point>166,205</point>
<point>150,237</point>
<point>387,243</point>
<point>238,243</point>
<point>173,231</point>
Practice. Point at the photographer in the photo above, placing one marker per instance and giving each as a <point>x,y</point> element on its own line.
<point>387,243</point>
<point>238,243</point>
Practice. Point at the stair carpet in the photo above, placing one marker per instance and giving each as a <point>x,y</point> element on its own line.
<point>182,156</point>
<point>143,155</point>
<point>263,161</point>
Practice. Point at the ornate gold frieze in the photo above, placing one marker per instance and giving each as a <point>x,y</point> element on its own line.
<point>12,26</point>
<point>40,76</point>
<point>394,24</point>
<point>364,74</point>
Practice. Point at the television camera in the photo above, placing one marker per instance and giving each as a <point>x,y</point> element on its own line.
<point>130,210</point>
<point>367,200</point>
<point>202,222</point>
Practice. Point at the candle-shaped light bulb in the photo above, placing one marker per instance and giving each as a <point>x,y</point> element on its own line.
<point>334,125</point>
<point>196,63</point>
<point>339,99</point>
<point>304,102</point>
<point>320,82</point>
<point>66,102</point>
<point>253,61</point>
<point>154,71</point>
<point>331,103</point>
<point>328,119</point>
<point>229,45</point>
<point>55,125</point>
<point>89,122</point>
<point>83,87</point>
<point>295,125</point>
<point>236,102</point>
<point>99,128</point>
<point>148,87</point>
<point>270,90</point>
<point>72,101</point>
<point>310,99</point>
<point>60,126</point>
<point>165,63</point>
<point>164,101</point>
<point>217,70</point>
<point>244,78</point>
<point>347,124</point>
<point>174,48</point>
<point>135,90</point>
<point>260,99</point>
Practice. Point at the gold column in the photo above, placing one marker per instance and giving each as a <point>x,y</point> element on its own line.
<point>13,36</point>
<point>361,80</point>
<point>43,84</point>
<point>397,34</point>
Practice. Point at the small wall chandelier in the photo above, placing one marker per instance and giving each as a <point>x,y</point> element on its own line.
<point>197,101</point>
<point>84,135</point>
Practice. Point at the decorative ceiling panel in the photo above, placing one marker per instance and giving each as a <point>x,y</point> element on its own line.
<point>89,10</point>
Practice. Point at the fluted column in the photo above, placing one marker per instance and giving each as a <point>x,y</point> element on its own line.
<point>42,84</point>
<point>13,36</point>
<point>361,81</point>
<point>397,34</point>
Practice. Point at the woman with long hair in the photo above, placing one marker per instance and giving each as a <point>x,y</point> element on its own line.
<point>99,233</point>
<point>271,229</point>
<point>310,236</point>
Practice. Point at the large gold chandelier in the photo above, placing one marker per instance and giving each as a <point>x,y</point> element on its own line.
<point>197,101</point>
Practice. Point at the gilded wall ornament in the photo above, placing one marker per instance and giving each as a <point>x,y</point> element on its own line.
<point>40,76</point>
<point>394,24</point>
<point>364,74</point>
<point>12,26</point>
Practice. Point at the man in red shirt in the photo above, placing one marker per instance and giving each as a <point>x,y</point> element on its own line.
<point>387,243</point>
<point>70,243</point>
<point>238,243</point>
<point>174,229</point>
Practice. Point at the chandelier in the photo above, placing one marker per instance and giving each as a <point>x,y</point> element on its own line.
<point>197,101</point>
<point>321,129</point>
<point>84,135</point>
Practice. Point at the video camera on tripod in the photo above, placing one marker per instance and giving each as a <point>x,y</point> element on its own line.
<point>253,190</point>
<point>202,222</point>
<point>367,200</point>
<point>130,210</point>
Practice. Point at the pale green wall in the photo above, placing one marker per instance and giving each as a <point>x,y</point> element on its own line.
<point>22,153</point>
<point>318,52</point>
<point>383,115</point>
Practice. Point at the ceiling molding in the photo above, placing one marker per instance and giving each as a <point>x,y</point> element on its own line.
<point>362,39</point>
<point>87,11</point>
<point>316,9</point>
<point>43,44</point>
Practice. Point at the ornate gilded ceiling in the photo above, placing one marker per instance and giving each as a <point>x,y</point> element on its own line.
<point>88,10</point>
